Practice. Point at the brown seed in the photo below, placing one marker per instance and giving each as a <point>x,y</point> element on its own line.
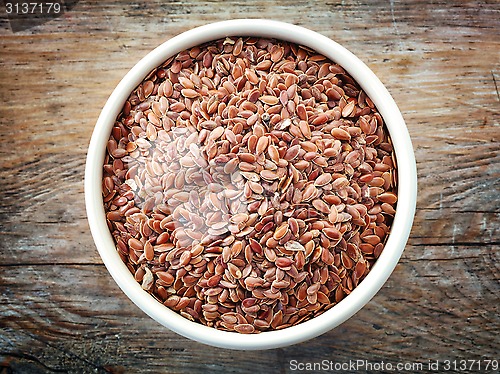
<point>341,134</point>
<point>348,109</point>
<point>347,262</point>
<point>189,93</point>
<point>185,258</point>
<point>139,274</point>
<point>252,142</point>
<point>309,192</point>
<point>254,177</point>
<point>245,166</point>
<point>273,153</point>
<point>320,161</point>
<point>376,182</point>
<point>255,245</point>
<point>283,262</point>
<point>263,65</point>
<point>268,175</point>
<point>135,244</point>
<point>309,146</point>
<point>301,112</point>
<point>247,157</point>
<point>305,129</point>
<point>234,270</point>
<point>332,233</point>
<point>387,208</point>
<point>340,183</point>
<point>167,278</point>
<point>238,47</point>
<point>148,87</point>
<point>321,206</point>
<point>229,318</point>
<point>281,231</point>
<point>277,53</point>
<point>294,226</point>
<point>231,166</point>
<point>283,97</point>
<point>292,152</point>
<point>270,254</point>
<point>269,100</point>
<point>323,180</point>
<point>177,107</point>
<point>256,187</point>
<point>387,197</point>
<point>244,328</point>
<point>262,144</point>
<point>251,76</point>
<point>320,119</point>
<point>333,215</point>
<point>371,239</point>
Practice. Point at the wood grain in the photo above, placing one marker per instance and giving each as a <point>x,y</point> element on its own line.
<point>60,311</point>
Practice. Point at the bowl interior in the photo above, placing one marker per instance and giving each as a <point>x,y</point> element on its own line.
<point>407,185</point>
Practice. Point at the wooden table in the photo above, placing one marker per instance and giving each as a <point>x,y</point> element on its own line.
<point>62,312</point>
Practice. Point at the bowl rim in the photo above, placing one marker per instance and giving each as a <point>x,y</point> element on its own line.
<point>400,230</point>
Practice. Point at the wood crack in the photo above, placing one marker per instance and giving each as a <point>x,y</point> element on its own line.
<point>28,357</point>
<point>462,244</point>
<point>20,264</point>
<point>438,259</point>
<point>72,355</point>
<point>496,86</point>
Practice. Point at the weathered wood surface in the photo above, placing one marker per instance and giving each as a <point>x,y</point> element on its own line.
<point>60,311</point>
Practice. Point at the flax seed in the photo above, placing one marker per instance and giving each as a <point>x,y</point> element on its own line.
<point>249,184</point>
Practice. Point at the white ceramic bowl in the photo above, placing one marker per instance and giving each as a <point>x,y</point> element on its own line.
<point>407,185</point>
